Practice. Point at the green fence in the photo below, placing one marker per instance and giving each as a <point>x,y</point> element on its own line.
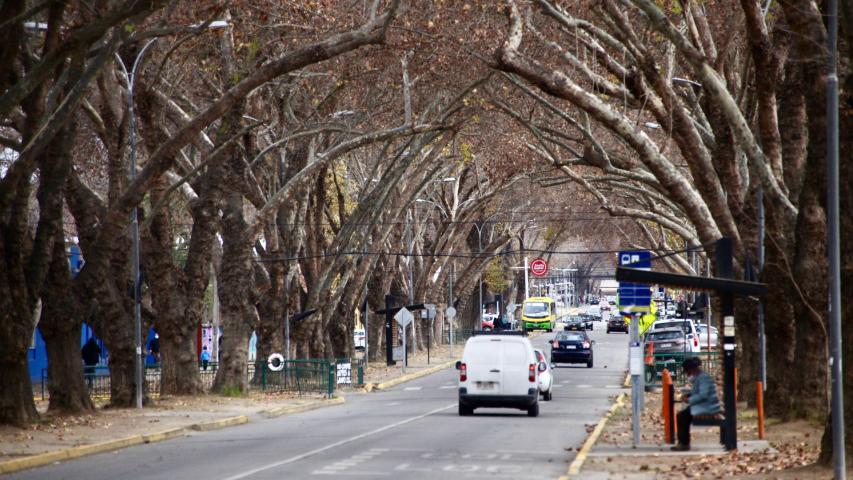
<point>460,336</point>
<point>672,362</point>
<point>301,376</point>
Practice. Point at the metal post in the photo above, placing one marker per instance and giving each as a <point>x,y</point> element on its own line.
<point>287,334</point>
<point>762,338</point>
<point>134,222</point>
<point>526,281</point>
<point>450,320</point>
<point>635,366</point>
<point>480,252</point>
<point>389,342</point>
<point>405,352</point>
<point>833,247</point>
<point>366,328</point>
<point>723,254</point>
<point>411,291</point>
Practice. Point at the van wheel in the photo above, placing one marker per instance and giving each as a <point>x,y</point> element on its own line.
<point>547,396</point>
<point>464,411</point>
<point>534,410</point>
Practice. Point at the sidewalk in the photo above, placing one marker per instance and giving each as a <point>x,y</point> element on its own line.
<point>60,438</point>
<point>789,451</point>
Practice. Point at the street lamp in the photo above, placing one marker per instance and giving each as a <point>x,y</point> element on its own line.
<point>130,78</point>
<point>480,252</point>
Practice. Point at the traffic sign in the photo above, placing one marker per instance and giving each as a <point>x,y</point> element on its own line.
<point>450,312</point>
<point>635,297</point>
<point>404,317</point>
<point>539,267</point>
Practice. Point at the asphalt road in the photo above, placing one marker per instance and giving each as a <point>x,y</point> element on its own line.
<point>412,431</point>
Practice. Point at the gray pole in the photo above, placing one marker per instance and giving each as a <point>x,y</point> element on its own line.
<point>834,249</point>
<point>762,338</point>
<point>287,333</point>
<point>450,304</point>
<point>411,291</point>
<point>634,350</point>
<point>134,222</point>
<point>366,329</point>
<point>480,252</point>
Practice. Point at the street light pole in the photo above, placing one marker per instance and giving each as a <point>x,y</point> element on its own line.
<point>134,220</point>
<point>834,247</point>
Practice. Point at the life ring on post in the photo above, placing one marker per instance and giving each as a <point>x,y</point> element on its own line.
<point>275,362</point>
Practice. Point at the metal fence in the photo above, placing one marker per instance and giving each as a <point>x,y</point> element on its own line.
<point>300,376</point>
<point>672,362</point>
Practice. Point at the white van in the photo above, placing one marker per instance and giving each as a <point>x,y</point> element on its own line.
<point>499,370</point>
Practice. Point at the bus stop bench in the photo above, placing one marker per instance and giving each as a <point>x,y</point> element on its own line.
<point>717,420</point>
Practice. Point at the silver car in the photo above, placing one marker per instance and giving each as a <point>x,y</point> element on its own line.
<point>668,340</point>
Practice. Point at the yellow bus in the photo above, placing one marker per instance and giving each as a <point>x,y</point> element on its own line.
<point>539,313</point>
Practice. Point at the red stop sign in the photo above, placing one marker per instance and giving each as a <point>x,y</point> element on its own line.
<point>539,267</point>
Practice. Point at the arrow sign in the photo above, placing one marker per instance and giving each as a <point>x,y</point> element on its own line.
<point>539,267</point>
<point>404,317</point>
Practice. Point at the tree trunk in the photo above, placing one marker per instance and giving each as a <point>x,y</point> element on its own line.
<point>67,387</point>
<point>16,397</point>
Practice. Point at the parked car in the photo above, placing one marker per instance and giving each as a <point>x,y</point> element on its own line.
<point>667,340</point>
<point>617,323</point>
<point>499,370</point>
<point>572,347</point>
<point>703,336</point>
<point>687,326</point>
<point>546,380</point>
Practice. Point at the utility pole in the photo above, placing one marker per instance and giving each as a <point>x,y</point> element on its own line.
<point>762,338</point>
<point>834,245</point>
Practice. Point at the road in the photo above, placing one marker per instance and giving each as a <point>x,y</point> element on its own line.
<point>412,431</point>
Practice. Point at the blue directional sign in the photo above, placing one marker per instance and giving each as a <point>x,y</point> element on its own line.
<point>635,297</point>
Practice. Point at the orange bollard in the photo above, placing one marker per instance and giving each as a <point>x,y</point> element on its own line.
<point>759,404</point>
<point>735,384</point>
<point>666,384</point>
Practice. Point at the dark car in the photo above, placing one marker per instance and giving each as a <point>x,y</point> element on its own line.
<point>578,323</point>
<point>668,340</point>
<point>617,324</point>
<point>572,347</point>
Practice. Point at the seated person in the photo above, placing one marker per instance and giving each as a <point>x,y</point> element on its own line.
<point>701,401</point>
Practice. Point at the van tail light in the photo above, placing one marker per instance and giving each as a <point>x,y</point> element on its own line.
<point>532,373</point>
<point>555,344</point>
<point>463,372</point>
<point>695,342</point>
<point>585,344</point>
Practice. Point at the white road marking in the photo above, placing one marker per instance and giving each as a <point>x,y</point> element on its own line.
<point>559,386</point>
<point>393,404</point>
<point>583,386</point>
<point>412,388</point>
<point>249,473</point>
<point>445,387</point>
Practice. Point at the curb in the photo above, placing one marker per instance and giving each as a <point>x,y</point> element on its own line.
<point>217,424</point>
<point>577,463</point>
<point>412,376</point>
<point>279,411</point>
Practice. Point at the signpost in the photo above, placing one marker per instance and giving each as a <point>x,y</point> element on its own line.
<point>539,267</point>
<point>404,317</point>
<point>634,297</point>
